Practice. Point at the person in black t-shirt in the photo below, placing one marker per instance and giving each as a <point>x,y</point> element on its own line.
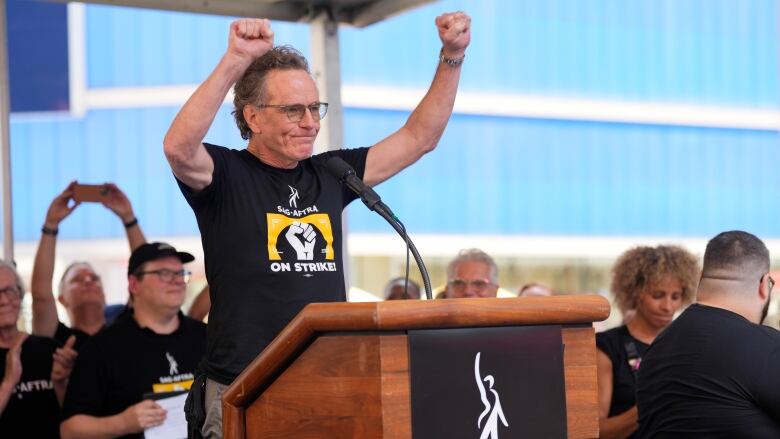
<point>153,348</point>
<point>31,387</point>
<point>653,283</point>
<point>270,215</point>
<point>713,372</point>
<point>80,289</point>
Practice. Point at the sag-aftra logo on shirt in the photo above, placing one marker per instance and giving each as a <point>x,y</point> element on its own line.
<point>305,235</point>
<point>174,381</point>
<point>27,387</point>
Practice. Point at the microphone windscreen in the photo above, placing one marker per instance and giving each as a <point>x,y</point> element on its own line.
<point>339,168</point>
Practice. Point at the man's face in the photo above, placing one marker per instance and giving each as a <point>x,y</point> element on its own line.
<point>151,291</point>
<point>471,279</point>
<point>10,299</point>
<point>81,286</point>
<point>279,141</point>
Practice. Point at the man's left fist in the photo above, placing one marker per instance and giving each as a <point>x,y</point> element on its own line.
<point>454,32</point>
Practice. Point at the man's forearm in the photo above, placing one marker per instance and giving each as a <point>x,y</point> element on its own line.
<point>135,235</point>
<point>429,119</point>
<point>421,132</point>
<point>93,427</point>
<point>196,116</point>
<point>44,309</point>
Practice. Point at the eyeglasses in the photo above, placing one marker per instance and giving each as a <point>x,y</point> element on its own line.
<point>167,275</point>
<point>85,278</point>
<point>295,112</point>
<point>476,284</point>
<point>11,293</point>
<point>771,282</point>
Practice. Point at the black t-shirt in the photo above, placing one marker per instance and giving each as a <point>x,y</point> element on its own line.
<point>123,362</point>
<point>64,332</point>
<point>32,410</point>
<point>111,313</point>
<point>713,374</point>
<point>615,344</point>
<point>272,244</point>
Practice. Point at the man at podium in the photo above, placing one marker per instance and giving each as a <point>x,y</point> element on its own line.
<point>270,214</point>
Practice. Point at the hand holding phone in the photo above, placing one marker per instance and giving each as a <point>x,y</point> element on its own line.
<point>95,193</point>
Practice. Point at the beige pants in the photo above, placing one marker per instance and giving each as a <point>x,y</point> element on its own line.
<point>212,426</point>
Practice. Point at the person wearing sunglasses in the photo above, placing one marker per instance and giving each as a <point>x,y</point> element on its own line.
<point>270,214</point>
<point>472,273</point>
<point>713,372</point>
<point>152,349</point>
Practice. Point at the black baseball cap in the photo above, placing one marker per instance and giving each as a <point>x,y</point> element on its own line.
<point>153,251</point>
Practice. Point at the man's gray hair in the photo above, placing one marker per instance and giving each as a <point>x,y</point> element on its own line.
<point>12,268</point>
<point>250,88</point>
<point>473,254</point>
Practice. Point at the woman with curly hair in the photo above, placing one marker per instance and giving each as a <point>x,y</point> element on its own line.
<point>652,283</point>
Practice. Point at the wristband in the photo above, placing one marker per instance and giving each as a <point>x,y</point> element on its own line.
<point>131,223</point>
<point>47,231</point>
<point>454,62</point>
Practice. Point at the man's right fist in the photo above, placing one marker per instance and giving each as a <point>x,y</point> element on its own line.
<point>250,38</point>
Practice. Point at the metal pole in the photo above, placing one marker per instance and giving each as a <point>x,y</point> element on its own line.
<point>326,69</point>
<point>5,140</point>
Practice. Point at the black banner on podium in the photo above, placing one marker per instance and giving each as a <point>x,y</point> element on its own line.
<point>487,383</point>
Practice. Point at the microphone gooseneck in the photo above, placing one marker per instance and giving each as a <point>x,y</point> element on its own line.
<point>346,175</point>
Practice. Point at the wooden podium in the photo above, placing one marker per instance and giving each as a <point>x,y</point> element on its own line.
<point>341,370</point>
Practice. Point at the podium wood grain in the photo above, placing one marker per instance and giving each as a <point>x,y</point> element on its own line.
<point>342,370</point>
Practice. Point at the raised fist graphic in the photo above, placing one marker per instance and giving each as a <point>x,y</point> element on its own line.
<point>301,237</point>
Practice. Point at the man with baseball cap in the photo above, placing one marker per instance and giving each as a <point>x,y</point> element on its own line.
<point>152,349</point>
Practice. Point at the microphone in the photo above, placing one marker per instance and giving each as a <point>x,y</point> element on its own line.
<point>344,173</point>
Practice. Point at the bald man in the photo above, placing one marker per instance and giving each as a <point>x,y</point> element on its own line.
<point>713,371</point>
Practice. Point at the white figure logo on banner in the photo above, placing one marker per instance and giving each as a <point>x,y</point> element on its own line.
<point>494,411</point>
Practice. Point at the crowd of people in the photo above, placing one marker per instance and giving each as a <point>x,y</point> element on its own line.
<point>94,374</point>
<point>707,373</point>
<point>655,375</point>
<point>270,223</point>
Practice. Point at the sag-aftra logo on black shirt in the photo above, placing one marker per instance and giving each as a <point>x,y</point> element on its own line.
<point>300,240</point>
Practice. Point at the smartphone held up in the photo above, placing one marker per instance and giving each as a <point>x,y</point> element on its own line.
<point>94,193</point>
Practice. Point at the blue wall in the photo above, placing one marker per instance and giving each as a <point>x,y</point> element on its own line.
<point>39,59</point>
<point>496,175</point>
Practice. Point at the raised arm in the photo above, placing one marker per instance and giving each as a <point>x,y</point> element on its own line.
<point>425,126</point>
<point>44,308</point>
<point>183,145</point>
<point>117,202</point>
